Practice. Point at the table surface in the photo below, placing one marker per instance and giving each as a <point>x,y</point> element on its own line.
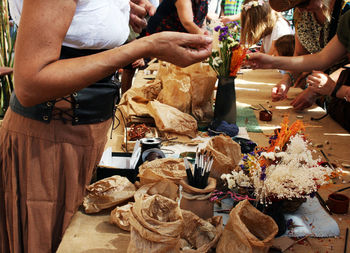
<point>94,233</point>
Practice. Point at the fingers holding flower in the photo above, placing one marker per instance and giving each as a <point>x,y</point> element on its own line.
<point>260,61</point>
<point>279,92</point>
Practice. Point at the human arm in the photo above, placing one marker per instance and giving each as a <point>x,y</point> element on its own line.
<point>333,52</point>
<point>228,19</point>
<point>325,84</point>
<point>185,13</point>
<point>290,78</point>
<point>305,99</point>
<point>40,75</point>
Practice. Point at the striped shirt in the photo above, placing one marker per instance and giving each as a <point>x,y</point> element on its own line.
<point>231,7</point>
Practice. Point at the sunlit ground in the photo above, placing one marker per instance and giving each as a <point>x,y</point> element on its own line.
<point>337,134</point>
<point>248,89</point>
<point>269,128</point>
<point>243,82</point>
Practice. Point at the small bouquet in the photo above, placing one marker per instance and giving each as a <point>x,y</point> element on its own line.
<point>286,170</point>
<point>227,60</point>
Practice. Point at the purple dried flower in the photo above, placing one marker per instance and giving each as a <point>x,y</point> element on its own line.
<point>224,29</point>
<point>262,176</point>
<point>217,28</point>
<point>289,223</point>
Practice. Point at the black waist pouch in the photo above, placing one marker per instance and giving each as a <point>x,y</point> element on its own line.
<point>93,104</point>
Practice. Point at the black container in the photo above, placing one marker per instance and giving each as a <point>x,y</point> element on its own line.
<point>104,172</point>
<point>147,143</point>
<point>225,101</point>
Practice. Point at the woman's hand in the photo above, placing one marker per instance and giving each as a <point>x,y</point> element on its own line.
<point>321,83</point>
<point>305,99</point>
<point>139,9</point>
<point>260,61</point>
<point>182,49</point>
<point>279,92</point>
<point>138,63</point>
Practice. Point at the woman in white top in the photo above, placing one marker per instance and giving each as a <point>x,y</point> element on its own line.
<point>260,22</point>
<point>54,133</point>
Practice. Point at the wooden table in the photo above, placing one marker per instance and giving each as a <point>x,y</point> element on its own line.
<point>93,233</point>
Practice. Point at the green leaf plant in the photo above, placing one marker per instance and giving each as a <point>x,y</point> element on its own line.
<point>7,42</point>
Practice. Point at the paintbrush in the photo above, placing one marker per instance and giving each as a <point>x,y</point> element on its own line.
<point>188,172</point>
<point>325,157</point>
<point>269,112</point>
<point>346,240</point>
<point>323,203</point>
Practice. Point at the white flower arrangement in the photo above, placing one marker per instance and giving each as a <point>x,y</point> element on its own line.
<point>289,174</point>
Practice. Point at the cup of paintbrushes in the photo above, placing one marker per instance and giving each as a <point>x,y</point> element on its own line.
<point>197,200</point>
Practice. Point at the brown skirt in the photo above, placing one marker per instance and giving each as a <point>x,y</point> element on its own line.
<point>44,171</point>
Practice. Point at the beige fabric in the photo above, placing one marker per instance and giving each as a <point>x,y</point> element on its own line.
<point>44,171</point>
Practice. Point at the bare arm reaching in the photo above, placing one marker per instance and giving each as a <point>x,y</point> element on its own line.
<point>41,76</point>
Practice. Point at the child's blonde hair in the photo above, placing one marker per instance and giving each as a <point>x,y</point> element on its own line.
<point>257,21</point>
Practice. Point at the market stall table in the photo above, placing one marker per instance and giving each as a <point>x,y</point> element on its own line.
<point>94,233</point>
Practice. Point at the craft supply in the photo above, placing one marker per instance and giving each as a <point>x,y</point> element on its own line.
<point>323,203</point>
<point>188,171</point>
<point>325,157</point>
<point>152,154</point>
<point>147,143</point>
<point>265,115</point>
<point>338,203</point>
<point>202,167</point>
<point>343,189</point>
<point>269,112</point>
<point>346,240</point>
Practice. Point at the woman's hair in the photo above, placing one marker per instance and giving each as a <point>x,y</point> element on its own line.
<point>257,21</point>
<point>326,10</point>
<point>285,45</point>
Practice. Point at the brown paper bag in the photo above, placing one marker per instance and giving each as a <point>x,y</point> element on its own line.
<point>134,101</point>
<point>120,216</point>
<point>165,187</point>
<point>199,235</point>
<point>203,79</point>
<point>107,193</point>
<point>188,89</point>
<point>226,153</point>
<point>160,169</point>
<point>170,119</point>
<point>247,231</point>
<point>176,93</point>
<point>156,223</point>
